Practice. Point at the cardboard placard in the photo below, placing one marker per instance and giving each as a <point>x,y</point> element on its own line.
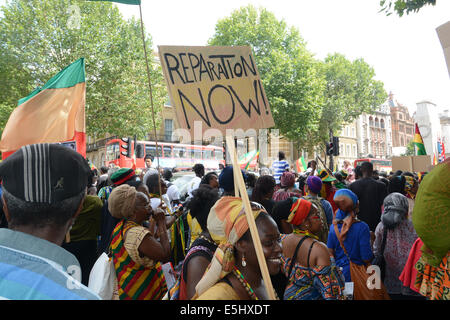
<point>411,163</point>
<point>443,32</point>
<point>219,86</point>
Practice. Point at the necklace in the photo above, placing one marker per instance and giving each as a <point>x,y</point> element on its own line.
<point>244,283</point>
<point>305,233</point>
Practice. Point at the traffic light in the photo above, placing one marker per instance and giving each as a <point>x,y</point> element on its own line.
<point>335,146</point>
<point>127,147</point>
<point>329,146</point>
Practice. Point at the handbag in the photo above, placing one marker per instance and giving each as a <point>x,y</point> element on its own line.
<point>360,279</point>
<point>102,279</point>
<point>379,259</point>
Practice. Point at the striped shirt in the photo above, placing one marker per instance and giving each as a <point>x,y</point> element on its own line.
<point>32,268</point>
<point>278,167</point>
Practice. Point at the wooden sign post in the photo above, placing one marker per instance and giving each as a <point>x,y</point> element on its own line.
<point>250,219</point>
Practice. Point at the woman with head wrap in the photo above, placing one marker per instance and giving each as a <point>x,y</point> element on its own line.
<point>287,190</point>
<point>306,262</point>
<point>203,247</point>
<point>354,233</point>
<point>234,272</point>
<point>136,253</point>
<point>400,236</point>
<point>431,221</point>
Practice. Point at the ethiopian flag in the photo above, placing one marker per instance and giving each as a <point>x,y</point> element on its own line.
<point>249,160</point>
<point>300,164</point>
<point>54,113</point>
<point>418,141</point>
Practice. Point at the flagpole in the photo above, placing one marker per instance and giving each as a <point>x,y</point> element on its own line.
<point>151,99</point>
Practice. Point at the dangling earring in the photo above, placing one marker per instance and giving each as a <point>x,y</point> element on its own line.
<point>244,263</point>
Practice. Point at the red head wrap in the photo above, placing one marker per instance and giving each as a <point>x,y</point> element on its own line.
<point>299,211</point>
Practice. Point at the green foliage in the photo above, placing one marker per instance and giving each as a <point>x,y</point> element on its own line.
<point>288,70</point>
<point>404,6</point>
<point>410,150</point>
<point>39,38</point>
<point>350,91</point>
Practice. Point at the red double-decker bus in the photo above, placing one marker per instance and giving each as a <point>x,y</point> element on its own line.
<point>378,164</point>
<point>170,155</point>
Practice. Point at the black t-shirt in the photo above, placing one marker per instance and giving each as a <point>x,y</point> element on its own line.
<point>203,253</point>
<point>371,194</point>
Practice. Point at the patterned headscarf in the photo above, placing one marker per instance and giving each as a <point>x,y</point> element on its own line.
<point>347,218</point>
<point>287,179</point>
<point>227,223</point>
<point>299,211</point>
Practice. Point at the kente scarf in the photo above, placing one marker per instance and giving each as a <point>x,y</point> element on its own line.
<point>347,218</point>
<point>409,184</point>
<point>227,223</point>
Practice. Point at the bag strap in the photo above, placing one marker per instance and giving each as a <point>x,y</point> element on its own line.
<point>294,257</point>
<point>338,235</point>
<point>309,254</point>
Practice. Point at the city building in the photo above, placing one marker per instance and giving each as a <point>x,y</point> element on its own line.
<point>374,133</point>
<point>348,145</point>
<point>402,124</point>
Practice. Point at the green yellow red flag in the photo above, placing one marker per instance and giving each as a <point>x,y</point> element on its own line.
<point>54,113</point>
<point>418,142</point>
<point>300,164</point>
<point>249,159</point>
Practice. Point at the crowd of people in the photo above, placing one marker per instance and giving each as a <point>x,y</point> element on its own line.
<point>59,215</point>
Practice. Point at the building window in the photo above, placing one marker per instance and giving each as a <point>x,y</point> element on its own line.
<point>354,151</point>
<point>371,121</point>
<point>168,129</point>
<point>382,124</point>
<point>341,149</point>
<point>347,151</point>
<point>347,131</point>
<point>400,116</point>
<point>377,123</point>
<point>353,132</point>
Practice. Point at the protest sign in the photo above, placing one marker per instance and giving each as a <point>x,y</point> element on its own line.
<point>411,163</point>
<point>443,32</point>
<point>219,86</point>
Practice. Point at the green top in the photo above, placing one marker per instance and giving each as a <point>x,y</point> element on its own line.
<point>66,78</point>
<point>88,223</point>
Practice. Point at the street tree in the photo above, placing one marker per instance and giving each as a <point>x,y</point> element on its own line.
<point>350,91</point>
<point>404,6</point>
<point>40,38</point>
<point>288,70</point>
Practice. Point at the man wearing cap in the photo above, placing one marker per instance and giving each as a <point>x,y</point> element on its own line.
<point>108,221</point>
<point>328,190</point>
<point>44,186</point>
<point>371,194</point>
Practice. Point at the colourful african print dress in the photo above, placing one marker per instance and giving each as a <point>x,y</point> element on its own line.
<point>434,282</point>
<point>317,283</point>
<point>135,281</point>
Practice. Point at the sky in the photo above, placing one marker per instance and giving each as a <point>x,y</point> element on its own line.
<point>405,52</point>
